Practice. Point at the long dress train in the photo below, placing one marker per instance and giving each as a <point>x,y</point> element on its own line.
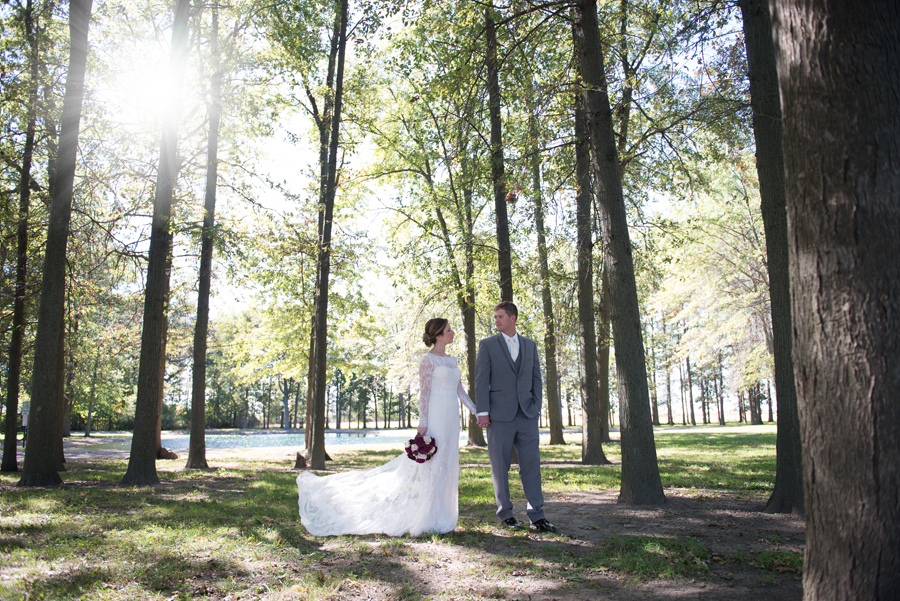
<point>401,496</point>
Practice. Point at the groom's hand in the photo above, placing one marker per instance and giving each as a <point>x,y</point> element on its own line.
<point>484,421</point>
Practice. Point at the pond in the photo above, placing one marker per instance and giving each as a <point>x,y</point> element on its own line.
<point>275,438</point>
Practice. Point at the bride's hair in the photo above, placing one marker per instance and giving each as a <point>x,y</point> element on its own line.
<point>433,328</point>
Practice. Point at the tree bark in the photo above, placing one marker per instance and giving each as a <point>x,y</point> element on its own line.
<point>498,177</point>
<point>787,495</point>
<point>641,484</point>
<point>690,387</point>
<point>592,428</point>
<point>163,350</point>
<point>92,397</point>
<point>17,334</point>
<point>668,361</point>
<point>475,432</point>
<point>323,261</point>
<point>197,446</point>
<point>324,123</point>
<point>603,313</point>
<point>554,408</point>
<point>141,469</point>
<point>39,467</point>
<point>839,74</point>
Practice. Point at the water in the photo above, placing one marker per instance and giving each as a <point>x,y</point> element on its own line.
<point>251,439</point>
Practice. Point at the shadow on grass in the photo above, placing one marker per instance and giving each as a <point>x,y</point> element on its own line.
<point>205,531</point>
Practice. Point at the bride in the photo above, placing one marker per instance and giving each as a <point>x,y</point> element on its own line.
<point>401,496</point>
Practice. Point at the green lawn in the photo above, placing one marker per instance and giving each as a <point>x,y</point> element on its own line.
<point>234,531</point>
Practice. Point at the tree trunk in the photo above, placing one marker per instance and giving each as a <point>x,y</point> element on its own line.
<point>476,433</point>
<point>704,410</point>
<point>498,177</point>
<point>39,467</point>
<point>690,387</point>
<point>554,408</point>
<point>603,326</point>
<point>641,484</point>
<point>839,73</point>
<point>142,462</point>
<point>17,334</point>
<point>720,392</point>
<point>197,445</point>
<point>787,496</point>
<point>668,362</point>
<point>323,261</point>
<point>92,397</point>
<point>324,123</point>
<point>163,348</point>
<point>592,428</point>
<point>651,383</point>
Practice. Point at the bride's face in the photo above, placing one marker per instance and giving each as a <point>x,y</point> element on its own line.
<point>447,335</point>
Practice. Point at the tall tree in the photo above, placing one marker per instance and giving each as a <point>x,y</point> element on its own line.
<point>17,336</point>
<point>40,465</point>
<point>142,461</point>
<point>839,76</point>
<point>554,406</point>
<point>641,484</point>
<point>592,428</point>
<point>323,262</point>
<point>197,446</point>
<point>787,495</point>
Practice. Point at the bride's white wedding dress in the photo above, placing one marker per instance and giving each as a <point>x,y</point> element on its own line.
<point>401,496</point>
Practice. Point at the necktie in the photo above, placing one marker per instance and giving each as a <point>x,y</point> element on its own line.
<point>514,347</point>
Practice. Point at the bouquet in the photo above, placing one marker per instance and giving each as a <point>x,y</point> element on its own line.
<point>421,448</point>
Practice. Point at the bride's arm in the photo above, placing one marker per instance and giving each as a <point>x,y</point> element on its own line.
<point>464,397</point>
<point>426,371</point>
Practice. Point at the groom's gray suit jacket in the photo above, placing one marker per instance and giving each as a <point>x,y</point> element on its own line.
<point>502,385</point>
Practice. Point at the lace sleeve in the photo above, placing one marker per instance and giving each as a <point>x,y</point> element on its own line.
<point>464,397</point>
<point>426,371</point>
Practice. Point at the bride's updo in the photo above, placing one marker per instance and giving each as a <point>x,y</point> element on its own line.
<point>433,328</point>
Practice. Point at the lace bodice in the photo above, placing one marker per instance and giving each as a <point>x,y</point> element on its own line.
<point>432,377</point>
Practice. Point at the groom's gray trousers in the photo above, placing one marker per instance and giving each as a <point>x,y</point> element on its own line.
<point>524,434</point>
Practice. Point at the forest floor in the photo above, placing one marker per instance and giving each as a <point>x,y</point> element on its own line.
<point>232,532</point>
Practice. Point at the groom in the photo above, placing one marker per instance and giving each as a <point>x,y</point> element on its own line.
<point>508,401</point>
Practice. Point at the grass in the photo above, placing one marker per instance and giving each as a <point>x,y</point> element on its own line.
<point>233,532</point>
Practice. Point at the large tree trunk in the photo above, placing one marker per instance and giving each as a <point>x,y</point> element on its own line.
<point>592,428</point>
<point>641,484</point>
<point>17,335</point>
<point>787,496</point>
<point>197,446</point>
<point>498,177</point>
<point>40,467</point>
<point>323,262</point>
<point>142,461</point>
<point>839,74</point>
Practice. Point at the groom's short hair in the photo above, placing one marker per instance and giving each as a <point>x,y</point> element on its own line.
<point>509,307</point>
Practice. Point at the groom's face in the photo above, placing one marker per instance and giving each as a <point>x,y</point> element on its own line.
<point>504,322</point>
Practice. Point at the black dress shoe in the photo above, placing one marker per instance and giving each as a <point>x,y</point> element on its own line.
<point>511,523</point>
<point>543,525</point>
